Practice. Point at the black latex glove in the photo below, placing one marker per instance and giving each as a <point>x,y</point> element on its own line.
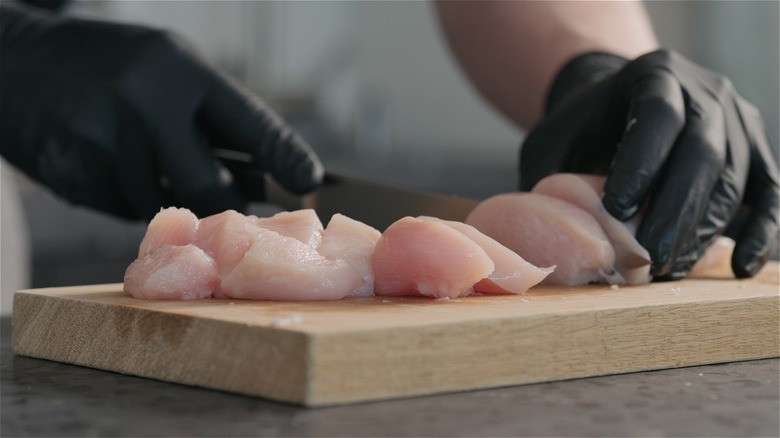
<point>673,138</point>
<point>127,119</point>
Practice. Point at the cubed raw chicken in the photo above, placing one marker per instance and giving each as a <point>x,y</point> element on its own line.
<point>171,226</point>
<point>227,236</point>
<point>283,268</point>
<point>172,273</point>
<point>303,225</point>
<point>354,242</point>
<point>279,258</point>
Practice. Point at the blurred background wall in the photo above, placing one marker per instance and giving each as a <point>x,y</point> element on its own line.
<point>374,89</point>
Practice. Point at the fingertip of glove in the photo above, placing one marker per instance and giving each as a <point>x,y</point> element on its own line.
<point>306,176</point>
<point>660,267</point>
<point>618,203</point>
<point>671,276</point>
<point>664,262</point>
<point>748,258</point>
<point>215,200</point>
<point>746,269</point>
<point>618,209</point>
<point>677,271</point>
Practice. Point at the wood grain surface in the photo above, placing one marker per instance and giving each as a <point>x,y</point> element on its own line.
<point>323,353</point>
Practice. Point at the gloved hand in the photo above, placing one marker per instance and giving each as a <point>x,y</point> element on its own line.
<point>676,142</point>
<point>127,119</point>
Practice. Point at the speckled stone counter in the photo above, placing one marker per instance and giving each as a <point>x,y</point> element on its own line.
<point>42,398</point>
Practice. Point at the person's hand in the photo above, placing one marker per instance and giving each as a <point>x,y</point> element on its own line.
<point>127,119</point>
<point>678,145</point>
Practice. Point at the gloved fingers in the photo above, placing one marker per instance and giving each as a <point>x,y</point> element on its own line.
<point>759,235</point>
<point>537,160</point>
<point>141,188</point>
<point>726,197</point>
<point>247,176</point>
<point>84,178</point>
<point>567,139</point>
<point>137,172</point>
<point>721,209</point>
<point>197,180</point>
<point>684,189</point>
<point>656,116</point>
<point>234,119</point>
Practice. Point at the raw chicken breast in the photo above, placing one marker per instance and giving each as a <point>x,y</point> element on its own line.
<point>171,226</point>
<point>716,261</point>
<point>512,274</point>
<point>632,261</point>
<point>352,241</point>
<point>547,231</point>
<point>540,228</point>
<point>303,225</point>
<point>172,273</point>
<point>424,257</point>
<point>283,268</point>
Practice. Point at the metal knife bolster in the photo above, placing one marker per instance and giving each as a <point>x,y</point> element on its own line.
<point>375,204</point>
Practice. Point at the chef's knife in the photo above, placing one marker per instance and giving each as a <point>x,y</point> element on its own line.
<point>379,205</point>
<point>376,204</point>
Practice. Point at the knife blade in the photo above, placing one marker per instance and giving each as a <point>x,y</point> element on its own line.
<point>379,205</point>
<point>375,204</point>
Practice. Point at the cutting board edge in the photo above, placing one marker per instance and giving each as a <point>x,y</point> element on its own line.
<point>317,402</point>
<point>288,354</point>
<point>308,392</point>
<point>725,345</point>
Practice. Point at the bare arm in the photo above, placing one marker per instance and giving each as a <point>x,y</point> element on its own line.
<point>511,50</point>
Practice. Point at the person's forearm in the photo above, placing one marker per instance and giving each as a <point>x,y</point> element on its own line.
<point>511,50</point>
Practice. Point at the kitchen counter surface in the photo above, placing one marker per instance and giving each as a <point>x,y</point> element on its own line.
<point>43,398</point>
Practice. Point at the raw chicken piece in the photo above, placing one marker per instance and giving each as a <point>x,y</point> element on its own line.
<point>303,225</point>
<point>172,273</point>
<point>237,256</point>
<point>632,261</point>
<point>226,237</point>
<point>716,261</point>
<point>585,192</point>
<point>425,257</point>
<point>543,232</point>
<point>547,231</point>
<point>354,242</point>
<point>170,226</point>
<point>512,274</point>
<point>283,268</point>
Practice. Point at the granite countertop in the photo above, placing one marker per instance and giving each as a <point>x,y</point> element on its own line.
<point>43,398</point>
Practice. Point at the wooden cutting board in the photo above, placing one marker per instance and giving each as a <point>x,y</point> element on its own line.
<point>322,353</point>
